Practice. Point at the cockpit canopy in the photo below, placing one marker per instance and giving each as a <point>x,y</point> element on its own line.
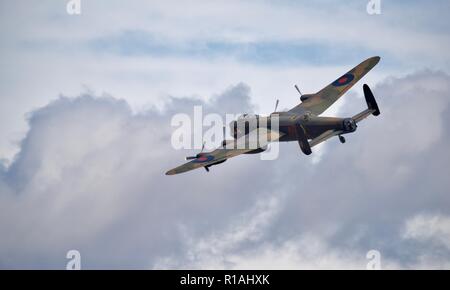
<point>247,116</point>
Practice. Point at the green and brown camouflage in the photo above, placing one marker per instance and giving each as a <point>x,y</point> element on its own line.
<point>302,123</point>
<point>317,103</point>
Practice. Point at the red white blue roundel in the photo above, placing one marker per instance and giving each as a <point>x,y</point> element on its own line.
<point>343,80</point>
<point>203,158</point>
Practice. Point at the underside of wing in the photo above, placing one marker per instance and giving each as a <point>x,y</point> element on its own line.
<point>323,137</point>
<point>317,103</point>
<point>258,138</point>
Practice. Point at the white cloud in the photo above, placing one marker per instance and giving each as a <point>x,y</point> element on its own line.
<point>433,228</point>
<point>90,170</point>
<point>53,42</point>
<point>90,176</point>
<point>89,173</point>
<point>356,198</point>
<point>244,244</point>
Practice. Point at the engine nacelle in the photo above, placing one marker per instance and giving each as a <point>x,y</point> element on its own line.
<point>256,151</point>
<point>234,129</point>
<point>244,124</point>
<point>305,97</point>
<point>349,125</point>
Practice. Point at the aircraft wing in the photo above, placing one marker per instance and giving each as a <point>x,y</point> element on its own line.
<point>317,103</point>
<point>323,137</point>
<point>263,135</point>
<point>372,109</point>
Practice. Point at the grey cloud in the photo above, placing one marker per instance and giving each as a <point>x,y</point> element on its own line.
<point>90,176</point>
<point>361,194</point>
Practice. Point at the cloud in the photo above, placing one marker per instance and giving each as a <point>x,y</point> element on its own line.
<point>89,171</point>
<point>200,22</point>
<point>359,196</point>
<point>429,228</point>
<point>181,49</point>
<point>90,176</point>
<point>246,244</point>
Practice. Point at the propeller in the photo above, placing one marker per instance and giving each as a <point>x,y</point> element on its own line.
<point>224,141</point>
<point>276,105</point>
<point>196,156</point>
<point>298,90</point>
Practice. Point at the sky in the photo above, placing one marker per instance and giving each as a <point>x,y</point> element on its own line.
<point>86,103</point>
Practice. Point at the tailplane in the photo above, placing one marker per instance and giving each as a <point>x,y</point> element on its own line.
<point>370,99</point>
<point>372,106</point>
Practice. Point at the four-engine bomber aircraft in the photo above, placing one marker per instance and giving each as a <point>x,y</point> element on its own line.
<point>302,123</point>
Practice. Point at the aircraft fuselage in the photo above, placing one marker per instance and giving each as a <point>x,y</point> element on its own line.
<point>287,122</point>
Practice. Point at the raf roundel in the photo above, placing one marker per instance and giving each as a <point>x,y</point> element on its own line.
<point>203,158</point>
<point>343,80</point>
